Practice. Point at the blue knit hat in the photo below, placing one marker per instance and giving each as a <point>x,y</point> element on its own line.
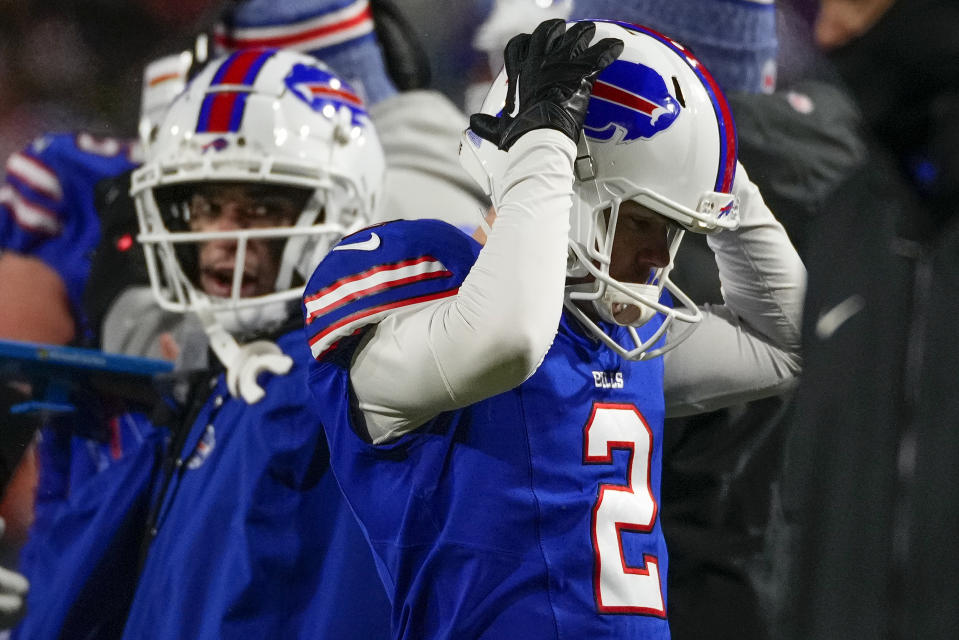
<point>735,39</point>
<point>338,32</point>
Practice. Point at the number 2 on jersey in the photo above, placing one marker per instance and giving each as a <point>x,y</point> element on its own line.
<point>619,588</point>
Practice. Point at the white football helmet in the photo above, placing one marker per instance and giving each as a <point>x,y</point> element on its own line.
<point>658,131</point>
<point>258,116</point>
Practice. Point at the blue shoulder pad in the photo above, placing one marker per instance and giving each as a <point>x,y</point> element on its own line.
<point>382,269</point>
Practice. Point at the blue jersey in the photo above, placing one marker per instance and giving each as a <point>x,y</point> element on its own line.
<point>252,538</point>
<point>47,203</point>
<point>253,532</point>
<point>91,404</point>
<point>82,553</point>
<point>531,514</point>
<point>68,457</point>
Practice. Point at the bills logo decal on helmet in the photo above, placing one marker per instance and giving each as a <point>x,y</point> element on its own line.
<point>632,99</point>
<point>218,144</point>
<point>727,135</point>
<point>222,109</point>
<point>321,90</point>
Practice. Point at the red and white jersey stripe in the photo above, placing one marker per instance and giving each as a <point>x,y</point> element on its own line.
<point>386,269</point>
<point>28,215</point>
<point>377,280</point>
<point>372,281</point>
<point>328,337</point>
<point>35,175</point>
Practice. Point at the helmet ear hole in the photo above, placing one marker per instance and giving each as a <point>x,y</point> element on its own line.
<point>679,92</point>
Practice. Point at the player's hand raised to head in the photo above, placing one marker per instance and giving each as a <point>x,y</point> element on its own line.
<point>550,74</point>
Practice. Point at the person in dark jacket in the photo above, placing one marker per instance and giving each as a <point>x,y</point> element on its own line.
<point>871,459</point>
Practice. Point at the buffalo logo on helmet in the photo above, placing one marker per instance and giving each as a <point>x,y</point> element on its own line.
<point>630,101</point>
<point>324,92</point>
<point>218,144</point>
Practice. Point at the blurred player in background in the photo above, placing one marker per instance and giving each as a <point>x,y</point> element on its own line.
<point>52,204</point>
<point>371,42</point>
<point>63,199</point>
<point>495,415</point>
<point>228,524</point>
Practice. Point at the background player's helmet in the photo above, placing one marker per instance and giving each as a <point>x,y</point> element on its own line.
<point>163,80</point>
<point>658,131</point>
<point>265,117</point>
<point>506,19</point>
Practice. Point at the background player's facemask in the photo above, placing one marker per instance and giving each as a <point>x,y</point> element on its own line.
<point>250,270</point>
<point>658,131</point>
<point>264,118</point>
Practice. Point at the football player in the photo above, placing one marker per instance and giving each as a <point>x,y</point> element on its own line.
<point>719,467</point>
<point>265,160</point>
<point>495,414</point>
<point>65,197</point>
<point>51,217</point>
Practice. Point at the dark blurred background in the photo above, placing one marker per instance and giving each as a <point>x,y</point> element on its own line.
<point>66,64</point>
<point>69,64</point>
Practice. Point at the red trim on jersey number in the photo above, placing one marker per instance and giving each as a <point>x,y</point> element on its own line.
<point>614,426</point>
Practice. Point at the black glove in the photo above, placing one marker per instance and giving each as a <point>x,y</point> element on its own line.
<point>555,71</point>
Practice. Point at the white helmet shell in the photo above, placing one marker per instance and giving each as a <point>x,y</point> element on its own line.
<point>659,132</point>
<point>260,116</point>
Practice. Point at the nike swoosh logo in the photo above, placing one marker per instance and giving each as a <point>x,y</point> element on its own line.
<point>370,244</point>
<point>829,321</point>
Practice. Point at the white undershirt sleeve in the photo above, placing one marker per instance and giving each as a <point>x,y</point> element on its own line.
<point>750,347</point>
<point>494,333</point>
